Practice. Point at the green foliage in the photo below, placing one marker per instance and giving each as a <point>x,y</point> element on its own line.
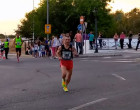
<point>127,21</point>
<point>2,36</point>
<point>64,16</point>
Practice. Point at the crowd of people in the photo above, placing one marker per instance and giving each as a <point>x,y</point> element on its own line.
<point>122,37</point>
<point>48,48</point>
<point>45,47</point>
<point>118,40</point>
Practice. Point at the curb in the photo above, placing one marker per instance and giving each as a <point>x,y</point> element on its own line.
<point>100,55</point>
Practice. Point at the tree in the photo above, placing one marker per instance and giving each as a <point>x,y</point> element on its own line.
<point>64,16</point>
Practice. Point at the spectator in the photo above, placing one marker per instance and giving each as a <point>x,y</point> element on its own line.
<point>42,48</point>
<point>72,38</point>
<point>53,46</point>
<point>39,50</point>
<point>46,47</point>
<point>138,42</point>
<point>130,39</point>
<point>91,37</point>
<point>122,36</point>
<point>116,37</point>
<point>100,39</point>
<point>78,39</point>
<point>36,49</point>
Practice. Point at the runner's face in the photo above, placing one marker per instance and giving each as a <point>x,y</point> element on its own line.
<point>67,40</point>
<point>17,35</point>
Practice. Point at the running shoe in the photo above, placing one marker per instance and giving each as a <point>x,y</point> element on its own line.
<point>18,60</point>
<point>63,83</point>
<point>65,89</point>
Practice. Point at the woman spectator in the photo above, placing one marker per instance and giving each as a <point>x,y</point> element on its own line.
<point>116,40</point>
<point>122,36</point>
<point>58,43</point>
<point>54,46</point>
<point>100,39</point>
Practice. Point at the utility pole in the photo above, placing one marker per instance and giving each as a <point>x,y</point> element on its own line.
<point>82,22</point>
<point>96,35</point>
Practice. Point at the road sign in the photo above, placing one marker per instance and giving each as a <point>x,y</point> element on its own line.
<point>79,27</point>
<point>47,28</point>
<point>81,19</point>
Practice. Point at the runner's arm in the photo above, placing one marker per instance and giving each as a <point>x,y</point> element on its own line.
<point>74,52</point>
<point>58,53</point>
<point>14,42</point>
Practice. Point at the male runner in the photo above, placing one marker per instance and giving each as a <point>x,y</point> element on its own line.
<point>18,43</point>
<point>6,48</point>
<point>65,54</point>
<point>2,49</point>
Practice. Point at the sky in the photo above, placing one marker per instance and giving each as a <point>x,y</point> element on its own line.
<point>125,5</point>
<point>12,11</point>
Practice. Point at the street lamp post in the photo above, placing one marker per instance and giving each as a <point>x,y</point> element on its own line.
<point>33,22</point>
<point>47,17</point>
<point>96,48</point>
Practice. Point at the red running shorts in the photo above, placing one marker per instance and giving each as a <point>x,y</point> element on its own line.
<point>67,63</point>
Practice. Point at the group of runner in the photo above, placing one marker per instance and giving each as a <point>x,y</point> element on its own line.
<point>4,48</point>
<point>17,43</point>
<point>64,53</point>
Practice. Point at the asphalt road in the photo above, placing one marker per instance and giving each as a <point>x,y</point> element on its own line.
<point>98,83</point>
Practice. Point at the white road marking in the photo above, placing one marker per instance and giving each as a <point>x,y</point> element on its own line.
<point>88,104</point>
<point>119,77</point>
<point>90,60</point>
<point>120,61</point>
<point>84,58</point>
<point>124,61</point>
<point>106,57</point>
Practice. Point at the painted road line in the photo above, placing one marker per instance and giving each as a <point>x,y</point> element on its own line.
<point>90,60</point>
<point>107,57</point>
<point>124,61</point>
<point>120,61</point>
<point>119,77</point>
<point>88,104</point>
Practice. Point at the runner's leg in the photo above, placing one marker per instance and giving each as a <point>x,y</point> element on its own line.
<point>64,72</point>
<point>68,76</point>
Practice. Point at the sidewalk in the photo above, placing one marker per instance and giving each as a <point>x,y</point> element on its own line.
<point>103,53</point>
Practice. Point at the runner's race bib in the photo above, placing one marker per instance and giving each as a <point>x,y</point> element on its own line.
<point>18,43</point>
<point>66,55</point>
